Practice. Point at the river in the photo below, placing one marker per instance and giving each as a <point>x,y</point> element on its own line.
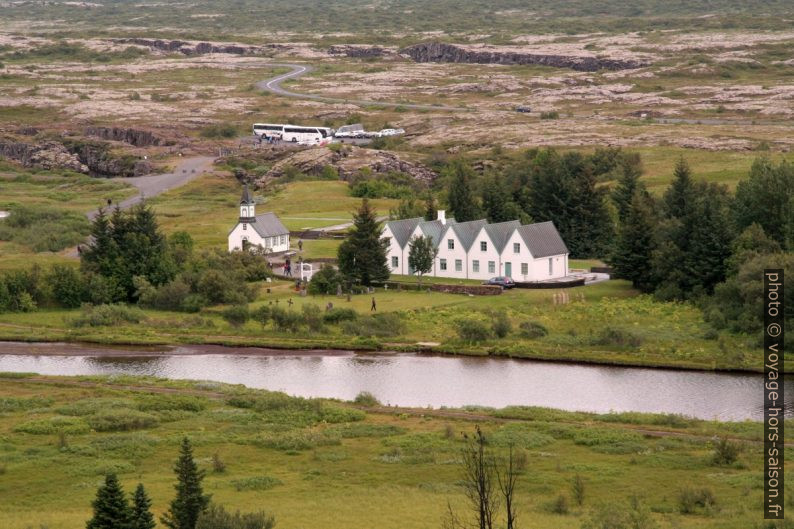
<point>417,380</point>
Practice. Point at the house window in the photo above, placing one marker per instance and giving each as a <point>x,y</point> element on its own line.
<point>524,269</point>
<point>245,226</point>
<point>395,261</point>
<point>475,266</point>
<point>458,265</point>
<point>491,267</point>
<point>516,247</point>
<point>483,246</point>
<point>283,239</point>
<point>551,266</point>
<point>443,264</point>
<point>450,244</point>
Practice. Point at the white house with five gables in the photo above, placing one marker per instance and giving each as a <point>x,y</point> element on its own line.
<point>265,230</point>
<point>479,250</point>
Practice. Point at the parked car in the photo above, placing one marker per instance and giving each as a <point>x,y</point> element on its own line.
<point>523,108</point>
<point>390,132</point>
<point>502,281</point>
<point>347,134</point>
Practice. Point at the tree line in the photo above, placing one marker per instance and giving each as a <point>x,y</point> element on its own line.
<point>190,508</point>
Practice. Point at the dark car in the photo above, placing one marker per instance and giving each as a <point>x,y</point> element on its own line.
<point>523,108</point>
<point>502,281</point>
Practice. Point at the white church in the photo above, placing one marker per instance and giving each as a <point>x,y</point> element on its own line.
<point>264,230</point>
<point>479,250</point>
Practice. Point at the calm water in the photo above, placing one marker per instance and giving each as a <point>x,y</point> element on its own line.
<point>411,380</point>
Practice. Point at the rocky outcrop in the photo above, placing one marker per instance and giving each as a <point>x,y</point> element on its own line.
<point>138,138</point>
<point>103,162</point>
<point>443,52</point>
<point>192,48</point>
<point>359,51</point>
<point>347,161</point>
<point>45,155</point>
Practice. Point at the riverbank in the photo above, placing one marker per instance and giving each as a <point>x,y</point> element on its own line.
<point>360,466</point>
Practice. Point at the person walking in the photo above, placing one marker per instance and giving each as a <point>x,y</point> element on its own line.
<point>374,307</point>
<point>300,245</point>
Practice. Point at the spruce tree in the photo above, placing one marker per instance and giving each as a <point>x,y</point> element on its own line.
<point>430,206</point>
<point>628,183</point>
<point>190,500</point>
<point>767,198</point>
<point>460,196</point>
<point>363,254</point>
<point>679,197</point>
<point>497,201</point>
<point>142,517</point>
<point>111,510</point>
<point>632,257</point>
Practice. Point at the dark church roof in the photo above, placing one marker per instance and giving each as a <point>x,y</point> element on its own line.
<point>269,225</point>
<point>246,198</point>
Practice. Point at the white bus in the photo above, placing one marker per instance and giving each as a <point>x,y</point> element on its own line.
<point>268,130</point>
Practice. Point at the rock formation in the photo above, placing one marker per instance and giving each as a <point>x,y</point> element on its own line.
<point>192,48</point>
<point>347,161</point>
<point>361,51</point>
<point>443,52</point>
<point>44,155</point>
<point>138,138</point>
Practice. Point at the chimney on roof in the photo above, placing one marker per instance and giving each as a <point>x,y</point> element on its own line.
<point>442,216</point>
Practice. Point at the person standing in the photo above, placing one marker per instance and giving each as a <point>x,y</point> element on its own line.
<point>374,307</point>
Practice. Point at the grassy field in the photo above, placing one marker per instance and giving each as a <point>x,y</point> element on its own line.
<point>309,460</point>
<point>603,323</point>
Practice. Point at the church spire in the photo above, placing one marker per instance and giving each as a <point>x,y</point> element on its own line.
<point>246,206</point>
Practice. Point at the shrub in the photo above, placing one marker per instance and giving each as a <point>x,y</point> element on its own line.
<point>105,315</point>
<point>325,281</point>
<point>313,317</point>
<point>500,324</point>
<point>578,489</point>
<point>121,420</point>
<point>236,315</point>
<point>472,330</point>
<point>336,414</point>
<point>725,452</point>
<point>255,483</point>
<point>551,114</point>
<point>170,296</point>
<point>84,407</point>
<point>559,505</point>
<point>12,404</point>
<point>261,315</point>
<point>53,425</point>
<point>216,517</point>
<point>690,499</point>
<point>297,440</point>
<point>286,320</point>
<point>134,446</point>
<point>218,466</point>
<point>617,337</point>
<point>219,130</point>
<point>172,402</point>
<point>358,430</point>
<point>337,315</point>
<point>365,398</point>
<point>67,286</point>
<point>379,325</point>
<point>532,330</point>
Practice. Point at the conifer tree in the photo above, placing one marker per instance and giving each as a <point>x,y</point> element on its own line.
<point>628,183</point>
<point>462,202</point>
<point>190,500</point>
<point>111,510</point>
<point>142,517</point>
<point>363,254</point>
<point>430,206</point>
<point>632,257</point>
<point>679,197</point>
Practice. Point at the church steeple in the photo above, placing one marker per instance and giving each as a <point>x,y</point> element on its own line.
<point>247,206</point>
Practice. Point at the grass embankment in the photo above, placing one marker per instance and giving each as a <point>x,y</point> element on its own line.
<point>306,460</point>
<point>605,323</point>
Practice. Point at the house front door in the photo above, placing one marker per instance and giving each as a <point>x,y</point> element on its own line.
<point>508,269</point>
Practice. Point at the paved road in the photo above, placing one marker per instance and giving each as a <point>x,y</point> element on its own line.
<point>152,185</point>
<point>274,85</point>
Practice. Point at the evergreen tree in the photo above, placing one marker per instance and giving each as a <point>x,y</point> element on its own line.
<point>767,198</point>
<point>751,243</point>
<point>111,510</point>
<point>679,197</point>
<point>190,500</point>
<point>460,196</point>
<point>497,201</point>
<point>363,254</point>
<point>142,517</point>
<point>431,212</point>
<point>633,254</point>
<point>628,183</point>
<point>421,255</point>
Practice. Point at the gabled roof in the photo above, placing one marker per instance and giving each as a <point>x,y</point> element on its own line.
<point>542,239</point>
<point>434,229</point>
<point>269,225</point>
<point>246,198</point>
<point>501,232</point>
<point>403,229</point>
<point>467,231</point>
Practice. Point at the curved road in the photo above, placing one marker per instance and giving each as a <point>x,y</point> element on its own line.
<point>274,85</point>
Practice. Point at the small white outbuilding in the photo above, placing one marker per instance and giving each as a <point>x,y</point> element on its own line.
<point>264,230</point>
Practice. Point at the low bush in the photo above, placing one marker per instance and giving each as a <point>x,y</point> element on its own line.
<point>297,440</point>
<point>337,315</point>
<point>172,402</point>
<point>53,425</point>
<point>216,517</point>
<point>692,499</point>
<point>380,325</point>
<point>255,483</point>
<point>519,436</point>
<point>325,282</point>
<point>532,330</point>
<point>313,318</point>
<point>286,320</point>
<point>236,315</point>
<point>559,505</point>
<point>337,414</point>
<point>358,430</point>
<point>121,420</point>
<point>135,446</point>
<point>365,398</point>
<point>12,404</point>
<point>84,407</point>
<point>220,130</point>
<point>472,330</point>
<point>500,324</point>
<point>106,315</point>
<point>725,452</point>
<point>612,336</point>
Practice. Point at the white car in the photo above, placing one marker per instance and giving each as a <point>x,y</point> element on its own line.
<point>390,132</point>
<point>347,134</point>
